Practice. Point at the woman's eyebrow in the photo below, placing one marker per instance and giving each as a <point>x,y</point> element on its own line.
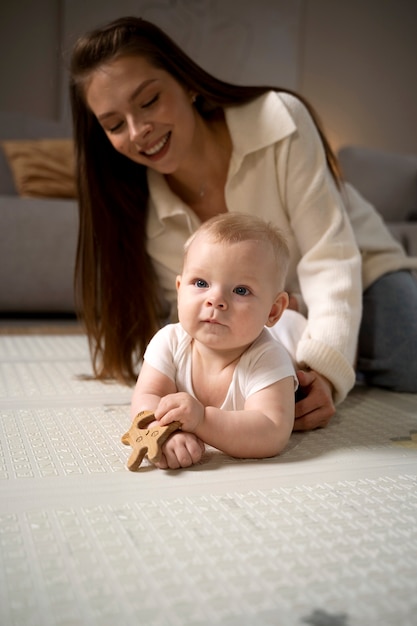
<point>131,98</point>
<point>140,88</point>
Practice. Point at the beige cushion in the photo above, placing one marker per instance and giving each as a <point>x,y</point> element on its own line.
<point>43,167</point>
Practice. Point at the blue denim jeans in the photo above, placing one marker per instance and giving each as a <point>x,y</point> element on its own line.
<point>387,348</point>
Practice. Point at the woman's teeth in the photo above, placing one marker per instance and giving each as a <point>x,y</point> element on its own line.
<point>157,147</point>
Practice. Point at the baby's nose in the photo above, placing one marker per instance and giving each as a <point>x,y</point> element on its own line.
<point>217,300</point>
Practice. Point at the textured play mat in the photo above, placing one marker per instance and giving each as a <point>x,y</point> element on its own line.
<point>325,534</point>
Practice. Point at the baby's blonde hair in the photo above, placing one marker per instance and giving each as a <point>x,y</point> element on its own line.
<point>238,227</point>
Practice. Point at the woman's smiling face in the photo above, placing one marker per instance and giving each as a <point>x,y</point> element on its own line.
<point>147,115</point>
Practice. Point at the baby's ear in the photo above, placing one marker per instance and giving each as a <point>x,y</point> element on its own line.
<point>178,281</point>
<point>278,308</point>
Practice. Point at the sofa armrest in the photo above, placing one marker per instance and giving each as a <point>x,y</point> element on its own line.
<point>7,184</point>
<point>38,239</point>
<point>406,234</point>
<point>387,180</point>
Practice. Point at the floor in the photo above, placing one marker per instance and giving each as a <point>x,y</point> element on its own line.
<point>325,534</point>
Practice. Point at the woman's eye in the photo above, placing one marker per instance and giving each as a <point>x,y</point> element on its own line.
<point>150,102</point>
<point>115,128</point>
<point>200,283</point>
<point>241,291</point>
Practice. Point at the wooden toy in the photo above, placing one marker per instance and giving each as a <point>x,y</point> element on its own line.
<point>146,441</point>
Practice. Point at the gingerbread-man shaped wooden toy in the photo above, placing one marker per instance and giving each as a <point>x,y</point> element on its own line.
<point>146,441</point>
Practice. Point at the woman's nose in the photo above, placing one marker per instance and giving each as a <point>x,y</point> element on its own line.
<point>139,130</point>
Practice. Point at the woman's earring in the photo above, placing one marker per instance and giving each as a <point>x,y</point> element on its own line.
<point>193,98</point>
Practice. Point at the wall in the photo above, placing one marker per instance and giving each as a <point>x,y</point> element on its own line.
<point>242,42</point>
<point>356,60</point>
<point>29,57</point>
<point>358,67</point>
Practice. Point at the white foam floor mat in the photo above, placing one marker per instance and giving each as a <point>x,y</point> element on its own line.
<point>325,534</point>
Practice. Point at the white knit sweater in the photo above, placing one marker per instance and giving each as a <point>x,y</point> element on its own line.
<point>278,171</point>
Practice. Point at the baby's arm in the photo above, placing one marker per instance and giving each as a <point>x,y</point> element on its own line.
<point>262,429</point>
<point>182,449</point>
<point>150,387</point>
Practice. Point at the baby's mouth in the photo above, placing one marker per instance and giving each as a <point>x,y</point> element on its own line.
<point>212,320</point>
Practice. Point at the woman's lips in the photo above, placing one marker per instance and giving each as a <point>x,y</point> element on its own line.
<point>159,149</point>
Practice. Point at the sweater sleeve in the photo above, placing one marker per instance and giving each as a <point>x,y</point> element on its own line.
<point>329,270</point>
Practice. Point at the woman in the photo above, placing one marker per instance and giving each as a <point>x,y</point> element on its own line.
<point>161,146</point>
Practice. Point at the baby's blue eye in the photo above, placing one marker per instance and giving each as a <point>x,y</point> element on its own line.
<point>201,284</point>
<point>241,291</point>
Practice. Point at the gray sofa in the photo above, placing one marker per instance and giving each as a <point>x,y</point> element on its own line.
<point>38,235</point>
<point>389,182</point>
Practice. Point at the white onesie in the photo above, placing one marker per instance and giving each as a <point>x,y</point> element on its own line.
<point>265,362</point>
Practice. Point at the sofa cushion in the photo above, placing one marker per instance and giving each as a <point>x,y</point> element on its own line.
<point>387,180</point>
<point>42,168</point>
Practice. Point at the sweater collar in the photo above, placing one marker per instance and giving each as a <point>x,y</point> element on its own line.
<point>258,124</point>
<point>163,205</point>
<point>252,126</point>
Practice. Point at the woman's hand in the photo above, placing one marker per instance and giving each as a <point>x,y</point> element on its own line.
<point>181,450</point>
<point>317,407</point>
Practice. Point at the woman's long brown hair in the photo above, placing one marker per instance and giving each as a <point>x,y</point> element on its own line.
<point>116,289</point>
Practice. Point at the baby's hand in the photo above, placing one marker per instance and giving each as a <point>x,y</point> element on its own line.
<point>180,407</point>
<point>181,450</point>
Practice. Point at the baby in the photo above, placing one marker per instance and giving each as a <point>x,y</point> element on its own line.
<point>219,371</point>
